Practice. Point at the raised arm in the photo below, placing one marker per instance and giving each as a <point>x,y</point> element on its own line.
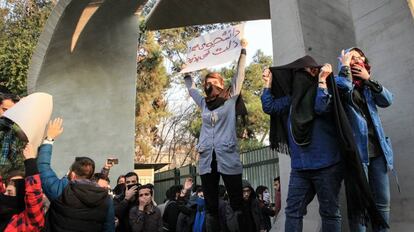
<point>193,91</point>
<point>238,78</point>
<point>323,98</point>
<point>271,105</point>
<point>51,184</point>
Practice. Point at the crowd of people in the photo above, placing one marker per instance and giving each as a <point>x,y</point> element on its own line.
<point>309,107</point>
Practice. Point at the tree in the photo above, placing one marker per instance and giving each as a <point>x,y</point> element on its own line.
<point>252,134</point>
<point>152,81</point>
<point>21,25</point>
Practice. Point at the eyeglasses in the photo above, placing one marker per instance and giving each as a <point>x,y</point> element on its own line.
<point>144,194</point>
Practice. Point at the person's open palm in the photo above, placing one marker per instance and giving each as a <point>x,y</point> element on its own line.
<point>54,128</point>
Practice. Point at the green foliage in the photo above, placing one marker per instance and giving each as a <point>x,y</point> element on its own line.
<point>21,25</point>
<point>252,135</point>
<point>152,82</point>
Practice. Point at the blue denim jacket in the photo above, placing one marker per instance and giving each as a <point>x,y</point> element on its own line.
<point>323,151</point>
<point>358,122</point>
<point>53,186</point>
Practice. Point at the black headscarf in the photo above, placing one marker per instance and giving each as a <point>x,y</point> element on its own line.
<point>303,100</point>
<point>360,201</point>
<point>216,97</point>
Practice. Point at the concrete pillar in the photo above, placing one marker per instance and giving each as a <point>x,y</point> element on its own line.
<point>93,86</point>
<point>312,27</point>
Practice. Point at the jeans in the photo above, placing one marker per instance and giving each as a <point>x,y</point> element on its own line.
<point>303,185</point>
<point>377,175</point>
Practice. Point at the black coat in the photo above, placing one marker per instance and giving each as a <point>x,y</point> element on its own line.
<point>81,207</point>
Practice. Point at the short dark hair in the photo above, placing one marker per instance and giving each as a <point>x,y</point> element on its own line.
<point>172,191</point>
<point>129,174</point>
<point>99,176</point>
<point>277,179</point>
<point>260,189</point>
<point>13,97</point>
<point>147,186</point>
<point>83,167</point>
<point>197,188</point>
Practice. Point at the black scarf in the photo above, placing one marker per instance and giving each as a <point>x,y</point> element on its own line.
<point>302,110</point>
<point>303,95</point>
<point>217,96</point>
<point>360,201</point>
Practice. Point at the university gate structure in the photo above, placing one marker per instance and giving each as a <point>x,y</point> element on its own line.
<point>86,58</point>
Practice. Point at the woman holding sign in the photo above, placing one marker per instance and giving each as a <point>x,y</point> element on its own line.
<point>217,144</point>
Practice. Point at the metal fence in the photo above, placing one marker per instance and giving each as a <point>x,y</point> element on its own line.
<point>260,167</point>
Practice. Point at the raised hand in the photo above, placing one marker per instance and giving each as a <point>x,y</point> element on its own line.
<point>325,71</point>
<point>345,58</point>
<point>243,43</point>
<point>28,152</point>
<point>54,128</point>
<point>267,78</point>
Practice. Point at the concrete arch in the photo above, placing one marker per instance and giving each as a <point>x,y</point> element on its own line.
<point>92,79</point>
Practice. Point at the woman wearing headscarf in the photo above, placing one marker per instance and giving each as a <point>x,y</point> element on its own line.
<point>361,96</point>
<point>217,144</point>
<point>302,122</point>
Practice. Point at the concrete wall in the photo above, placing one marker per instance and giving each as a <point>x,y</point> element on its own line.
<point>94,86</point>
<point>384,29</point>
<point>312,27</point>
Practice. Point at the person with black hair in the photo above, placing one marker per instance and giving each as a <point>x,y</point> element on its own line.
<point>77,203</point>
<point>176,203</point>
<point>145,216</point>
<point>267,211</point>
<point>361,97</point>
<point>7,100</point>
<point>124,201</point>
<point>21,206</point>
<point>252,216</point>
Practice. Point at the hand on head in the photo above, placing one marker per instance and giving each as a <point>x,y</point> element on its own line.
<point>325,71</point>
<point>267,78</point>
<point>345,58</point>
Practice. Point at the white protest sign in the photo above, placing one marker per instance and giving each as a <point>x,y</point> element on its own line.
<point>213,49</point>
<point>32,113</point>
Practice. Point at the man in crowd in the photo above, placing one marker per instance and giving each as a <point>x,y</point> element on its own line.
<point>77,203</point>
<point>125,201</point>
<point>7,101</point>
<point>145,216</point>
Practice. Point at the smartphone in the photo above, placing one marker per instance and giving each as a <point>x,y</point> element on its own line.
<point>132,185</point>
<point>112,161</point>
